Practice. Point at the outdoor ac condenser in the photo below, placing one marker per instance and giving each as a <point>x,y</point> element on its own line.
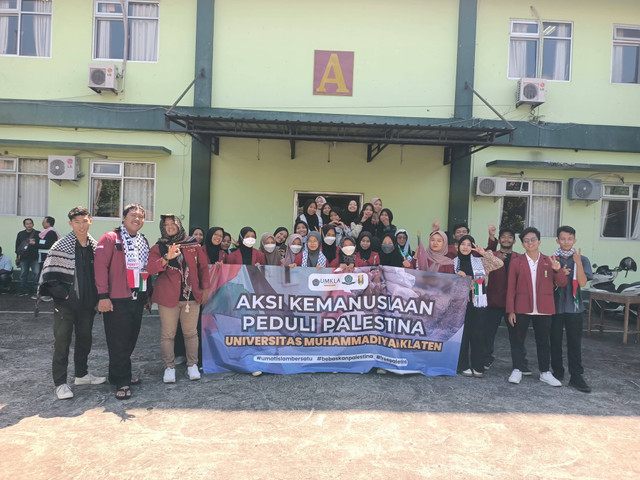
<point>103,77</point>
<point>584,189</point>
<point>531,91</point>
<point>63,167</point>
<point>490,186</point>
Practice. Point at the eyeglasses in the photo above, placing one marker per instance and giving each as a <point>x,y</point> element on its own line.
<point>530,240</point>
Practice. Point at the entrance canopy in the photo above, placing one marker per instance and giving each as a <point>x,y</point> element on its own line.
<point>375,131</point>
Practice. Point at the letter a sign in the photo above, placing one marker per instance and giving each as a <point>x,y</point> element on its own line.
<point>333,73</point>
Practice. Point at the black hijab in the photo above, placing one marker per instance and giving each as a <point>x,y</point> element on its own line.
<point>393,259</point>
<point>365,254</point>
<point>247,253</point>
<point>328,250</point>
<point>367,226</point>
<point>278,230</point>
<point>465,260</point>
<point>325,218</point>
<point>350,217</point>
<point>213,251</point>
<point>193,229</point>
<point>312,220</point>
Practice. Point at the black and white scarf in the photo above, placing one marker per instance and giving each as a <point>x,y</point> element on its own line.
<point>136,252</point>
<point>479,276</point>
<point>60,264</point>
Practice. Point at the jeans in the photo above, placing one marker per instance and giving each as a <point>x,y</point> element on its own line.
<point>65,320</point>
<point>5,281</point>
<point>25,265</point>
<point>121,328</point>
<point>518,334</point>
<point>572,324</point>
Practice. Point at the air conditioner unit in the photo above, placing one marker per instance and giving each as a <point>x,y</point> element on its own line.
<point>103,77</point>
<point>63,167</point>
<point>490,186</point>
<point>584,189</point>
<point>531,91</point>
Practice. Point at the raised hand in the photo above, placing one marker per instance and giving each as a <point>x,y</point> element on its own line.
<point>555,264</point>
<point>577,256</point>
<point>477,248</point>
<point>435,226</point>
<point>492,230</point>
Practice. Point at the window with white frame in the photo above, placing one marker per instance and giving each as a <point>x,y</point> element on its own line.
<point>626,54</point>
<point>24,186</point>
<point>620,211</point>
<point>534,203</point>
<point>142,22</point>
<point>116,184</point>
<point>25,27</point>
<point>540,50</point>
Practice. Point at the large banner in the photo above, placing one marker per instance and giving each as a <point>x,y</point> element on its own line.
<point>299,320</point>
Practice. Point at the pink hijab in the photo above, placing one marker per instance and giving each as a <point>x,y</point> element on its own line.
<point>429,260</point>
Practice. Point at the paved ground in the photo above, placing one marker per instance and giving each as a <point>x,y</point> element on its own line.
<point>312,426</point>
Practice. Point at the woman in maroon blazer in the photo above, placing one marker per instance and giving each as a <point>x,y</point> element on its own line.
<point>181,287</point>
<point>532,301</point>
<point>365,256</point>
<point>245,254</point>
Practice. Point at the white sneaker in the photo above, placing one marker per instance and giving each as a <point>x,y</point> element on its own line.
<point>467,373</point>
<point>548,378</point>
<point>180,360</point>
<point>256,374</point>
<point>46,298</point>
<point>64,391</point>
<point>169,375</point>
<point>193,372</point>
<point>515,376</point>
<point>89,379</point>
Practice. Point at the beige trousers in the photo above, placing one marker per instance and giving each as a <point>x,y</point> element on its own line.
<point>169,324</point>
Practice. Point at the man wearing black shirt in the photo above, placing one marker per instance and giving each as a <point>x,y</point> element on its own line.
<point>68,277</point>
<point>27,254</point>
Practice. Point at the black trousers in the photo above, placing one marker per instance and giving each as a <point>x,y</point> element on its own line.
<point>572,324</point>
<point>518,334</point>
<point>121,327</point>
<point>65,320</point>
<point>472,344</point>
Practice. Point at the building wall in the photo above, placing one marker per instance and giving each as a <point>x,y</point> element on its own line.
<point>405,55</point>
<point>64,76</point>
<point>172,175</point>
<point>247,190</point>
<point>585,218</point>
<point>589,97</point>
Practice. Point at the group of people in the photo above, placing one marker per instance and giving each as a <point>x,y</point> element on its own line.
<point>113,274</point>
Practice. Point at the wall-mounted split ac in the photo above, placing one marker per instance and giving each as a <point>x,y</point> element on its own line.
<point>63,167</point>
<point>103,77</point>
<point>531,91</point>
<point>584,189</point>
<point>490,186</point>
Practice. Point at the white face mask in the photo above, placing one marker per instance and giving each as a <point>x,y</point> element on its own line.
<point>270,247</point>
<point>348,250</point>
<point>329,240</point>
<point>296,248</point>
<point>249,242</point>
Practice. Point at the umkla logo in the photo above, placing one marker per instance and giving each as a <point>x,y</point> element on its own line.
<point>338,281</point>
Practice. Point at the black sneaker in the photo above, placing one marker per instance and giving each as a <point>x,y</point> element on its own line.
<point>488,365</point>
<point>579,384</point>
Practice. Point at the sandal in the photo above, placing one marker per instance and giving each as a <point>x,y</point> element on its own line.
<point>135,381</point>
<point>123,393</point>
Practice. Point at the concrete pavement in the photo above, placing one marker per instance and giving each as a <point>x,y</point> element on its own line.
<point>312,426</point>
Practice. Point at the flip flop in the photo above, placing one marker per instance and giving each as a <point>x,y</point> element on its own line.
<point>135,381</point>
<point>123,393</point>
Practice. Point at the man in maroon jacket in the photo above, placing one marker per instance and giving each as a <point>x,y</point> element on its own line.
<point>121,277</point>
<point>497,295</point>
<point>530,285</point>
